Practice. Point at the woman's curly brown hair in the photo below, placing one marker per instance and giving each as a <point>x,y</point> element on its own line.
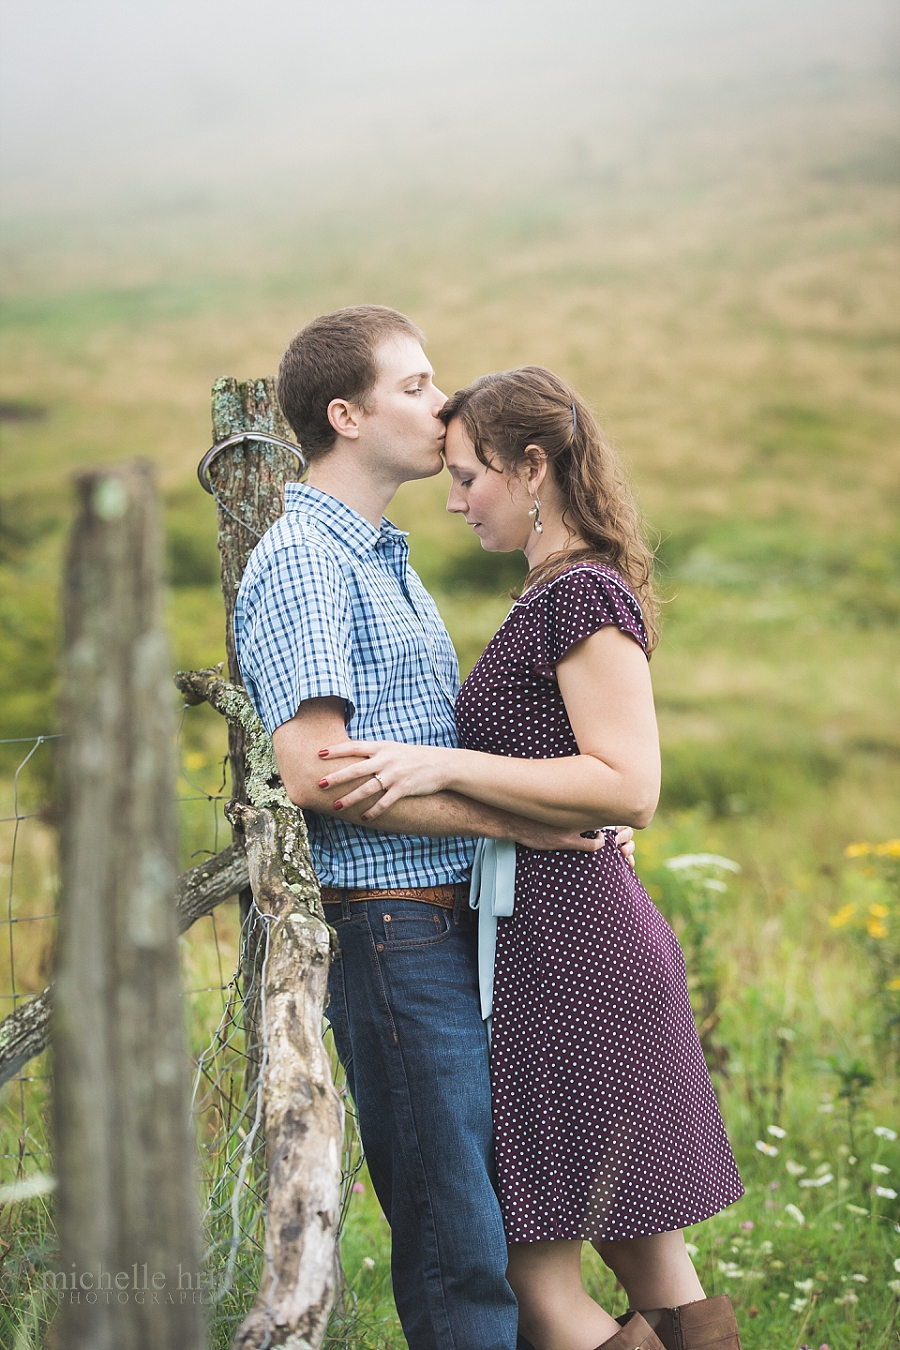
<point>504,413</point>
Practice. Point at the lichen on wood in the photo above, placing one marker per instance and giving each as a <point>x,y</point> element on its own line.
<point>263,785</point>
<point>25,1033</point>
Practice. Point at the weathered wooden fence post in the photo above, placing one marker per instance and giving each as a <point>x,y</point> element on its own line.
<point>285,993</point>
<point>248,484</point>
<point>127,1212</point>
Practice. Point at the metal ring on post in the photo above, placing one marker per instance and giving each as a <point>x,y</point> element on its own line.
<point>236,439</point>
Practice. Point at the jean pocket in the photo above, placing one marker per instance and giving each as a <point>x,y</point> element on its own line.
<point>410,924</point>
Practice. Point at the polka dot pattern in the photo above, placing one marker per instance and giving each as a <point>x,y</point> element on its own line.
<point>605,1119</point>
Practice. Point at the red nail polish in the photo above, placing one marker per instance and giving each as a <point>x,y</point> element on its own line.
<point>323,782</point>
<point>323,754</point>
<point>364,817</point>
<point>339,806</point>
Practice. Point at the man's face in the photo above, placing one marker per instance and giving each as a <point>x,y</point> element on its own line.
<point>401,432</point>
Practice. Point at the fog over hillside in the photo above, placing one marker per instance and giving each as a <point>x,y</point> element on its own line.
<point>106,100</point>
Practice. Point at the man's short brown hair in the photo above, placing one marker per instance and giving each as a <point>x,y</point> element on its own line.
<point>334,356</point>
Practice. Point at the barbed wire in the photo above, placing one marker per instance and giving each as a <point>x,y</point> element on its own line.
<point>226,1101</point>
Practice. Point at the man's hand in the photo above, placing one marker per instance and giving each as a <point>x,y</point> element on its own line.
<point>382,773</point>
<point>320,722</point>
<point>545,837</point>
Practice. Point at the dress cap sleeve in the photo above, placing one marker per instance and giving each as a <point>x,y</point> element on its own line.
<point>574,605</point>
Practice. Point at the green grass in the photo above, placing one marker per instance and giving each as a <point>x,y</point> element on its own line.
<point>728,305</point>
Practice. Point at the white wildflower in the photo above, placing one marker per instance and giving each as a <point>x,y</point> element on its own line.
<point>886,1192</point>
<point>368,1263</point>
<point>686,862</point>
<point>796,1169</point>
<point>857,1209</point>
<point>777,1131</point>
<point>799,1304</point>
<point>817,1181</point>
<point>860,1279</point>
<point>897,1265</point>
<point>795,1213</point>
<point>884,1133</point>
<point>880,1169</point>
<point>27,1188</point>
<point>731,1270</point>
<point>805,1286</point>
<point>768,1149</point>
<point>691,1249</point>
<point>895,1285</point>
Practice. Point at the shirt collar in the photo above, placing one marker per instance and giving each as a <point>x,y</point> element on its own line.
<point>339,519</point>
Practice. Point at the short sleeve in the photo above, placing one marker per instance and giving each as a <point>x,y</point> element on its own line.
<point>295,634</point>
<point>577,604</point>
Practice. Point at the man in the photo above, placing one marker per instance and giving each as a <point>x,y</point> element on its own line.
<point>337,636</point>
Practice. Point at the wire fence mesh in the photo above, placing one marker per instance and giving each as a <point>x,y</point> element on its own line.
<point>226,1101</point>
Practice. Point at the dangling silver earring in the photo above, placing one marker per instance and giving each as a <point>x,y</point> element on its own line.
<point>536,512</point>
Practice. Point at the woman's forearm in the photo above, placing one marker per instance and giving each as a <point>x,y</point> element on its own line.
<point>613,778</point>
<point>576,791</point>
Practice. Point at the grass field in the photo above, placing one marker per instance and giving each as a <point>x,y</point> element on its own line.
<point>728,302</point>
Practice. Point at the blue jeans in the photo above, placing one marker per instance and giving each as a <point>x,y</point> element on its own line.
<point>407,1025</point>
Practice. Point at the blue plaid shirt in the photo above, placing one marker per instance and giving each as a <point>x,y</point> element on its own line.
<point>329,607</point>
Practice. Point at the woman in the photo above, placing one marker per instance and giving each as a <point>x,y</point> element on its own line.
<point>606,1125</point>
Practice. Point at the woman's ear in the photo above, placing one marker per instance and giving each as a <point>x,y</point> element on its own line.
<point>534,468</point>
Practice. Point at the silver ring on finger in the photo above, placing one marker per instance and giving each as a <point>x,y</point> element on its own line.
<point>378,780</point>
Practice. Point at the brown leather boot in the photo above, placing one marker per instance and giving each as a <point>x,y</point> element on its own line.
<point>635,1335</point>
<point>708,1324</point>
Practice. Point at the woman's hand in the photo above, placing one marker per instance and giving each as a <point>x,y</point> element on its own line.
<point>391,768</point>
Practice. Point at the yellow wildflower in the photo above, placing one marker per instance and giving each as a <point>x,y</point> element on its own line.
<point>857,850</point>
<point>844,915</point>
<point>889,849</point>
<point>894,984</point>
<point>876,928</point>
<point>879,911</point>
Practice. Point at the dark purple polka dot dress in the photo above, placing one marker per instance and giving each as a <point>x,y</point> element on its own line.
<point>605,1119</point>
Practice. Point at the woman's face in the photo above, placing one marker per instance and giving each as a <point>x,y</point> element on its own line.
<point>494,502</point>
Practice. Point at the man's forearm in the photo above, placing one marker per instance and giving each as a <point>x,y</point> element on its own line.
<point>320,723</point>
<point>444,815</point>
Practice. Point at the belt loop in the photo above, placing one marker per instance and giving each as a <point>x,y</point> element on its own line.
<point>458,893</point>
<point>345,903</point>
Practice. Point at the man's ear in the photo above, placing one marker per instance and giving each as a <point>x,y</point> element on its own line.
<point>534,468</point>
<point>344,417</point>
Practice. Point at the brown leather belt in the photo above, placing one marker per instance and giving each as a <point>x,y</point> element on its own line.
<point>445,896</point>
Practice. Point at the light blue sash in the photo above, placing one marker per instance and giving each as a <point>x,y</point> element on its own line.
<point>493,894</point>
